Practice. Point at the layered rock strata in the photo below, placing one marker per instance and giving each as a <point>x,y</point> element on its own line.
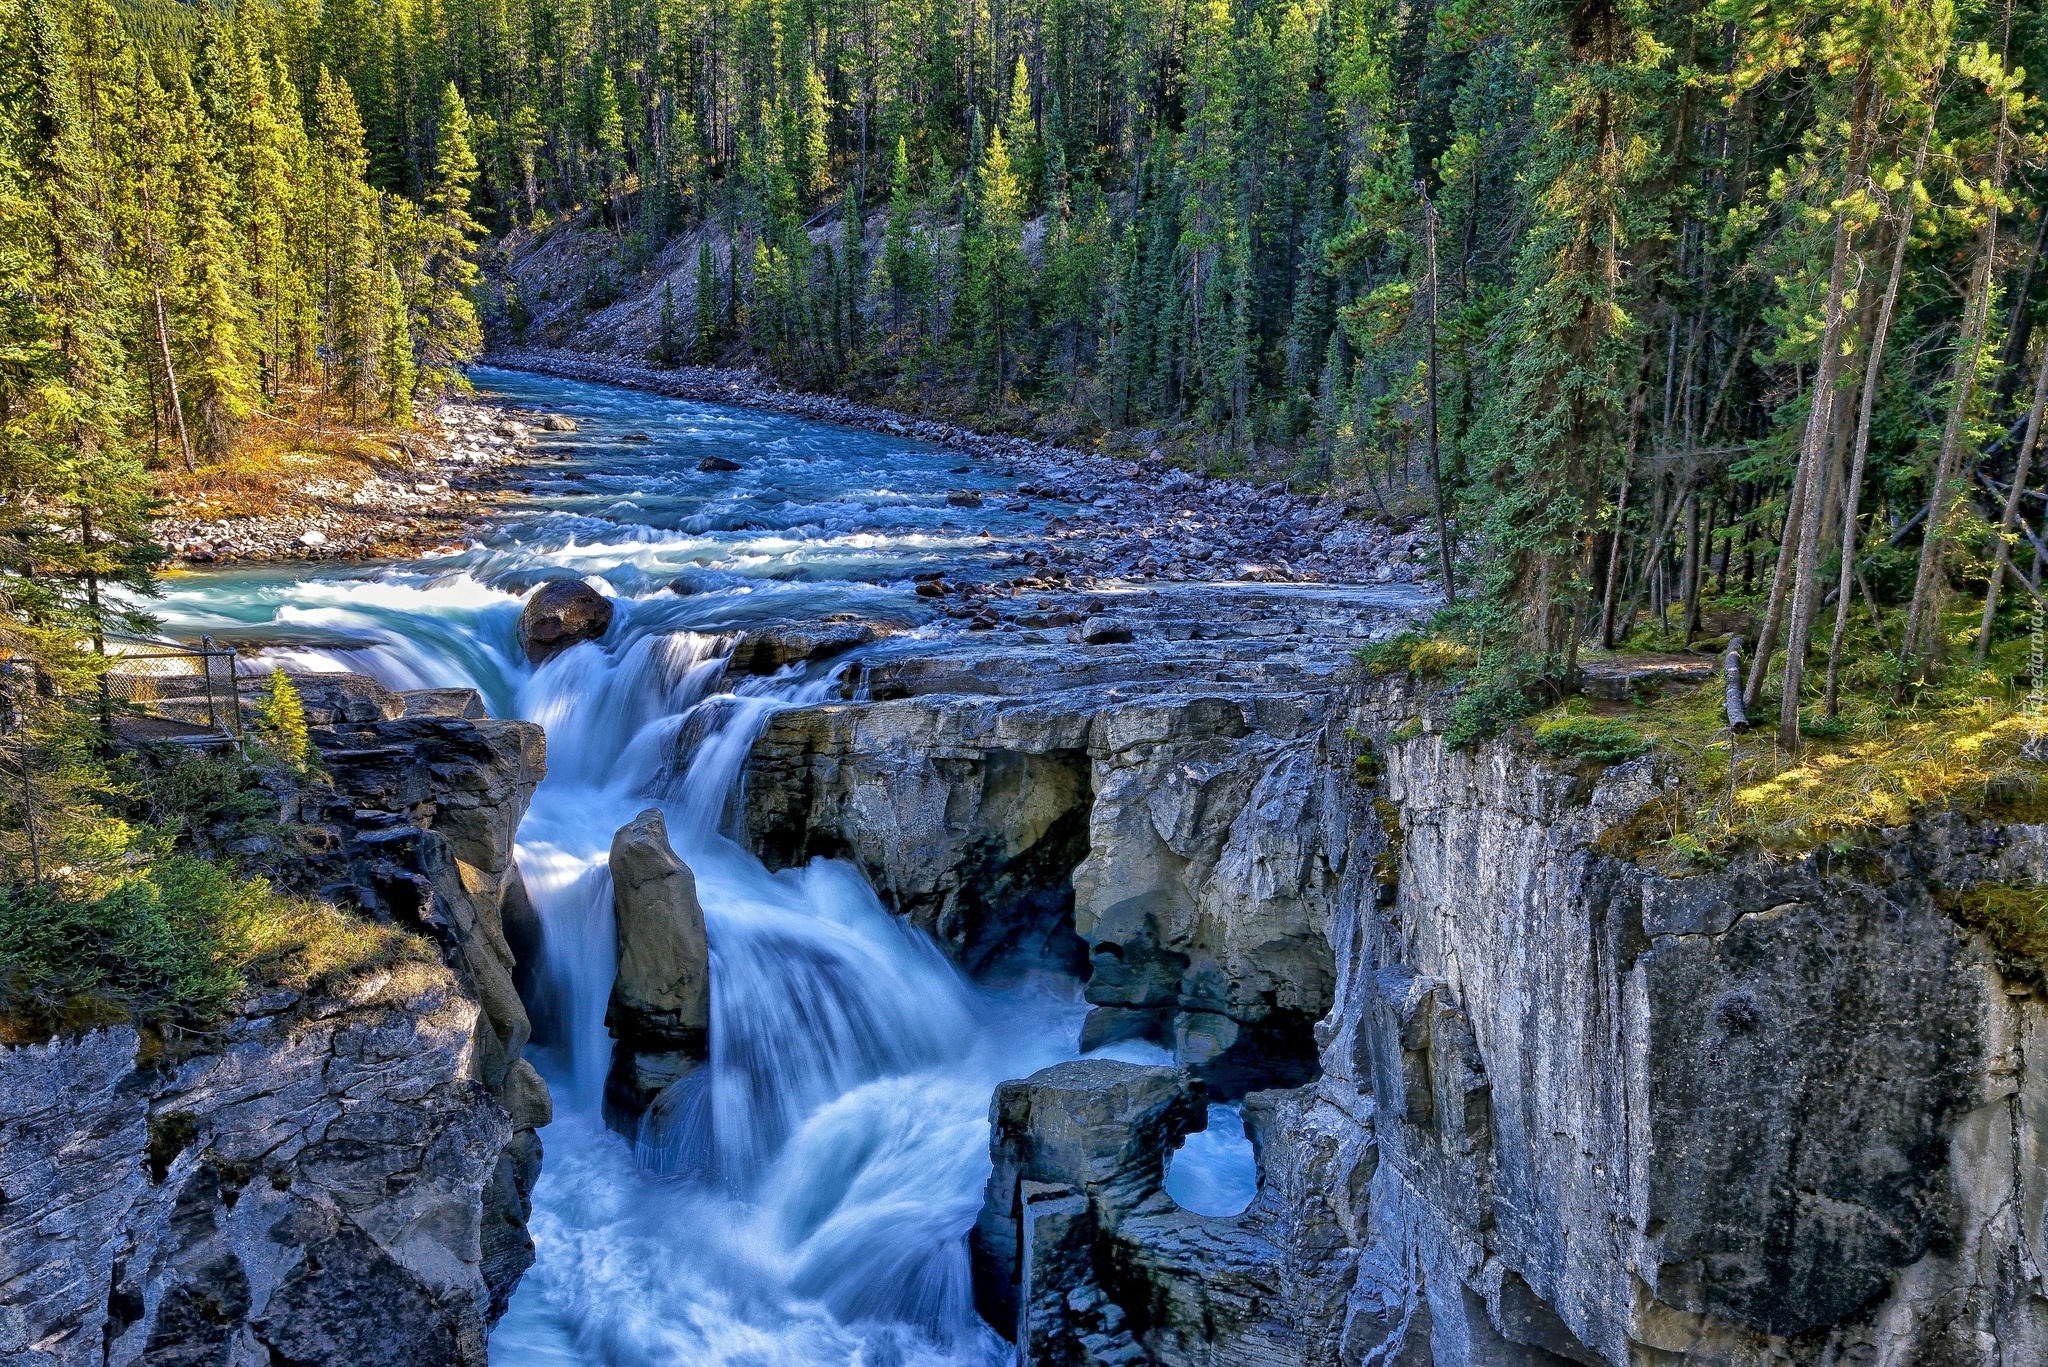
<point>315,1188</point>
<point>323,1180</point>
<point>1555,1108</point>
<point>1141,812</point>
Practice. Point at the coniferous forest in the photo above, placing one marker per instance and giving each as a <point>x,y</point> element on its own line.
<point>1637,302</point>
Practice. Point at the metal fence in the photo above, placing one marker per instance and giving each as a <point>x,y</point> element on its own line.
<point>190,691</point>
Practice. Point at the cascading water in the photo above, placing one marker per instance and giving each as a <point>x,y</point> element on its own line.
<point>803,1199</point>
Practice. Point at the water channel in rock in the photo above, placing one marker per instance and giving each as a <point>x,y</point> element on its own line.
<point>812,1207</point>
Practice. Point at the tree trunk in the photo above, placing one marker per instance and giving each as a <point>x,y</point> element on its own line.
<point>163,341</point>
<point>1920,639</point>
<point>1804,536</point>
<point>2012,507</point>
<point>1873,378</point>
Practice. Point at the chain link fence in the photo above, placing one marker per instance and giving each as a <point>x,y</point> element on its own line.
<point>164,691</point>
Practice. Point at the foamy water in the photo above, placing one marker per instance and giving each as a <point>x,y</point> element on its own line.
<point>804,1198</point>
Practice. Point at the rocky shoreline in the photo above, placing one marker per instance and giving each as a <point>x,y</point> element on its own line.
<point>1130,522</point>
<point>468,458</point>
<point>1143,521</point>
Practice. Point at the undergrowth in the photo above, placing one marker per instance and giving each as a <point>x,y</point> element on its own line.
<point>1893,752</point>
<point>137,900</point>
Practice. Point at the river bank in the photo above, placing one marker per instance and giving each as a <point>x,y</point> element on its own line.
<point>387,495</point>
<point>448,482</point>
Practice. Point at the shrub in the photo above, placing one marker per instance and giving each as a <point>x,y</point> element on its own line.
<point>1590,739</point>
<point>282,723</point>
<point>177,941</point>
<point>1494,698</point>
<point>154,945</point>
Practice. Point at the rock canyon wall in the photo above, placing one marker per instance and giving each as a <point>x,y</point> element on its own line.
<point>1515,1098</point>
<point>340,1179</point>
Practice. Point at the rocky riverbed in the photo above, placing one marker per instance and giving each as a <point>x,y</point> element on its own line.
<point>1135,521</point>
<point>1138,522</point>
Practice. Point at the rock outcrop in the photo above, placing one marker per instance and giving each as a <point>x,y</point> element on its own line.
<point>331,1180</point>
<point>561,613</point>
<point>420,831</point>
<point>311,1189</point>
<point>660,1008</point>
<point>1778,1112</point>
<point>1554,1108</point>
<point>765,650</point>
<point>1164,800</point>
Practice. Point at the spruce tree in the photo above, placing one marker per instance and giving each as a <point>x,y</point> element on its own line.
<point>396,370</point>
<point>214,324</point>
<point>704,306</point>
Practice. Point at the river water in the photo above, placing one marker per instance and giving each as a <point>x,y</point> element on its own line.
<point>806,1197</point>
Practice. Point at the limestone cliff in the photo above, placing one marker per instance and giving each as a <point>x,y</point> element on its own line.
<point>1556,1107</point>
<point>339,1180</point>
<point>312,1188</point>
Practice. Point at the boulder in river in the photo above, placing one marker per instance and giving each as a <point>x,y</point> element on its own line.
<point>717,465</point>
<point>660,1010</point>
<point>767,649</point>
<point>556,422</point>
<point>561,614</point>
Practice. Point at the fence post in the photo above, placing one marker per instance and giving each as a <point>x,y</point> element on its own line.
<point>206,667</point>
<point>234,694</point>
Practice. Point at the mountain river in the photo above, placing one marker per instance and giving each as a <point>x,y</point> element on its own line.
<point>810,1201</point>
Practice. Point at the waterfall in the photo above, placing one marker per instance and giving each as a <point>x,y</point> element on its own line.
<point>812,1185</point>
<point>803,1199</point>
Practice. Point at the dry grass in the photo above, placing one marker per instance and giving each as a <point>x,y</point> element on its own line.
<point>308,946</point>
<point>283,464</point>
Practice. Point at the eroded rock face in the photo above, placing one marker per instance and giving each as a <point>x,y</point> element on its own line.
<point>660,1010</point>
<point>1776,1113</point>
<point>1560,1110</point>
<point>419,829</point>
<point>1167,802</point>
<point>1083,1260</point>
<point>313,1191</point>
<point>768,649</point>
<point>561,613</point>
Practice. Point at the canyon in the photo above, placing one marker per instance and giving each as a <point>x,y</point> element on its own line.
<point>884,959</point>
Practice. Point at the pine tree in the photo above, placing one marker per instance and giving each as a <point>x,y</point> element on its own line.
<point>350,289</point>
<point>77,501</point>
<point>396,366</point>
<point>668,338</point>
<point>1020,133</point>
<point>997,277</point>
<point>705,304</point>
<point>446,330</point>
<point>213,319</point>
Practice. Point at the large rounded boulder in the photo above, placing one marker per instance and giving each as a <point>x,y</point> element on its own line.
<point>561,614</point>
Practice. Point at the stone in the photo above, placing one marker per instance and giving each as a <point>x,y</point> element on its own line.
<point>717,465</point>
<point>557,422</point>
<point>251,1203</point>
<point>312,536</point>
<point>1104,631</point>
<point>766,650</point>
<point>560,614</point>
<point>1099,1126</point>
<point>963,500</point>
<point>660,1008</point>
